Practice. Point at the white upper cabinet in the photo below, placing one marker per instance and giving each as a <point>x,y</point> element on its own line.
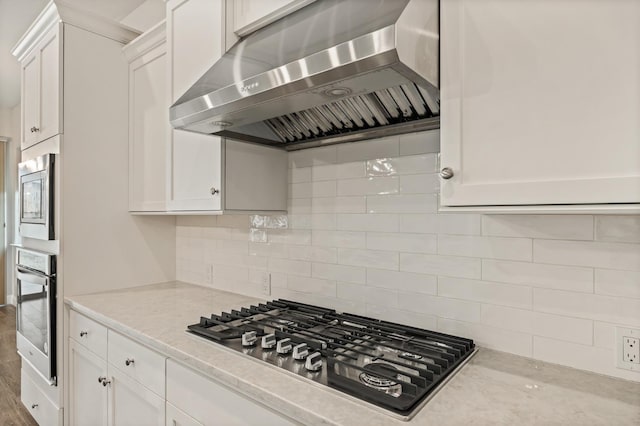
<point>41,87</point>
<point>540,102</point>
<point>250,15</point>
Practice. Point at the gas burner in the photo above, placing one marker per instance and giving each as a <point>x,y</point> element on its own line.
<point>409,355</point>
<point>377,381</point>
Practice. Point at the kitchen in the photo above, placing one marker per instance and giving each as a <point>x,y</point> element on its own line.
<point>442,178</point>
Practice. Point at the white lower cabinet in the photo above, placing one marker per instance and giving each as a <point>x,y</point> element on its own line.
<point>131,403</point>
<point>88,396</point>
<point>210,403</point>
<point>41,408</point>
<point>177,417</point>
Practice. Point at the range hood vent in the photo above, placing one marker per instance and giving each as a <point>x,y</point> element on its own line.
<point>334,71</point>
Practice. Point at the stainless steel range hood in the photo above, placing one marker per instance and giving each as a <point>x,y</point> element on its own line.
<point>334,71</point>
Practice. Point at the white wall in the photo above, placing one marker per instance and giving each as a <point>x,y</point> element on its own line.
<point>10,127</point>
<point>364,236</point>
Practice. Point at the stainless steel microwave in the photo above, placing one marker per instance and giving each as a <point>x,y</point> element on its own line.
<point>37,197</point>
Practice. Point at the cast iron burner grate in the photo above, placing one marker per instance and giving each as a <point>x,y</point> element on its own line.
<point>390,365</point>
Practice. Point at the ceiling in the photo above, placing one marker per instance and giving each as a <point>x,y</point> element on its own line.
<point>15,18</point>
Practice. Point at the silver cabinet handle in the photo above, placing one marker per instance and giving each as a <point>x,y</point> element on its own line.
<point>129,361</point>
<point>34,129</point>
<point>101,379</point>
<point>446,173</point>
<point>214,191</point>
<point>83,333</point>
<point>34,406</point>
<point>106,382</point>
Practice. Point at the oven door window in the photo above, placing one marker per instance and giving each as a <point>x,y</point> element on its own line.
<point>33,194</point>
<point>33,314</point>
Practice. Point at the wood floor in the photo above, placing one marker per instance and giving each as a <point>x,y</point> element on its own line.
<point>12,412</point>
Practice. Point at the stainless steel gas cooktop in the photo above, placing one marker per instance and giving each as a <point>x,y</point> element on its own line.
<point>390,365</point>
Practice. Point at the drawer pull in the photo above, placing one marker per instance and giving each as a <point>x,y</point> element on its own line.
<point>34,406</point>
<point>83,333</point>
<point>129,361</point>
<point>101,379</point>
<point>106,382</point>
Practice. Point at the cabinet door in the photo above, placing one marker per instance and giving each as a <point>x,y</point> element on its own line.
<point>50,105</point>
<point>195,40</point>
<point>250,15</point>
<point>87,396</point>
<point>132,404</point>
<point>30,96</point>
<point>540,102</point>
<point>148,132</point>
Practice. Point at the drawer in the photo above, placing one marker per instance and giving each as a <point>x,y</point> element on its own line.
<point>211,403</point>
<point>177,417</point>
<point>138,362</point>
<point>88,333</point>
<point>40,407</point>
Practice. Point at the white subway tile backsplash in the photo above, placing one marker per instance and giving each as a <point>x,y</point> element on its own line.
<point>534,285</point>
<point>312,285</point>
<point>328,271</point>
<point>451,266</point>
<point>581,253</point>
<point>440,306</point>
<point>591,306</point>
<point>538,323</point>
<point>419,223</point>
<point>403,203</point>
<point>368,222</point>
<point>368,186</point>
<point>489,337</point>
<point>485,291</point>
<point>368,150</point>
<point>458,224</point>
<point>575,355</point>
<point>403,281</point>
<point>571,278</point>
<point>618,283</point>
<point>485,247</point>
<point>339,239</point>
<point>402,242</point>
<point>420,184</point>
<point>420,143</point>
<point>622,229</point>
<point>339,205</point>
<point>565,227</point>
<point>412,164</point>
<point>369,258</point>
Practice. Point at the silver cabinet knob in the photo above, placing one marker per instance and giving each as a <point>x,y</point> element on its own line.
<point>284,346</point>
<point>249,338</point>
<point>313,362</point>
<point>101,379</point>
<point>83,333</point>
<point>214,191</point>
<point>268,341</point>
<point>34,129</point>
<point>106,382</point>
<point>129,361</point>
<point>446,173</point>
<point>300,351</point>
<point>34,406</point>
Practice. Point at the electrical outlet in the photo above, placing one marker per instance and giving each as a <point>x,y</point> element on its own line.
<point>265,281</point>
<point>628,349</point>
<point>209,273</point>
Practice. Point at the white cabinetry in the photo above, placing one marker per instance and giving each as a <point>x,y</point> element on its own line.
<point>177,172</point>
<point>126,388</point>
<point>209,403</point>
<point>41,87</point>
<point>250,15</point>
<point>540,102</point>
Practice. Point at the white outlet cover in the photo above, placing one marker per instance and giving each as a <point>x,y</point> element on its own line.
<point>621,333</point>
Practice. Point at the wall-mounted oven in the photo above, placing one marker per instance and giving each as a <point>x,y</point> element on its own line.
<point>36,197</point>
<point>36,311</point>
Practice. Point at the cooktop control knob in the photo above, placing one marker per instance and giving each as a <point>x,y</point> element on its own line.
<point>268,341</point>
<point>313,362</point>
<point>284,346</point>
<point>249,338</point>
<point>300,351</point>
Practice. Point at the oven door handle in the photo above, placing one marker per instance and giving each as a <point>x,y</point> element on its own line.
<point>33,276</point>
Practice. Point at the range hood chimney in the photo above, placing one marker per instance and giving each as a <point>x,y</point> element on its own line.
<point>334,71</point>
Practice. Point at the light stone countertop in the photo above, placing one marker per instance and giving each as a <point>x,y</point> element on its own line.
<point>494,388</point>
